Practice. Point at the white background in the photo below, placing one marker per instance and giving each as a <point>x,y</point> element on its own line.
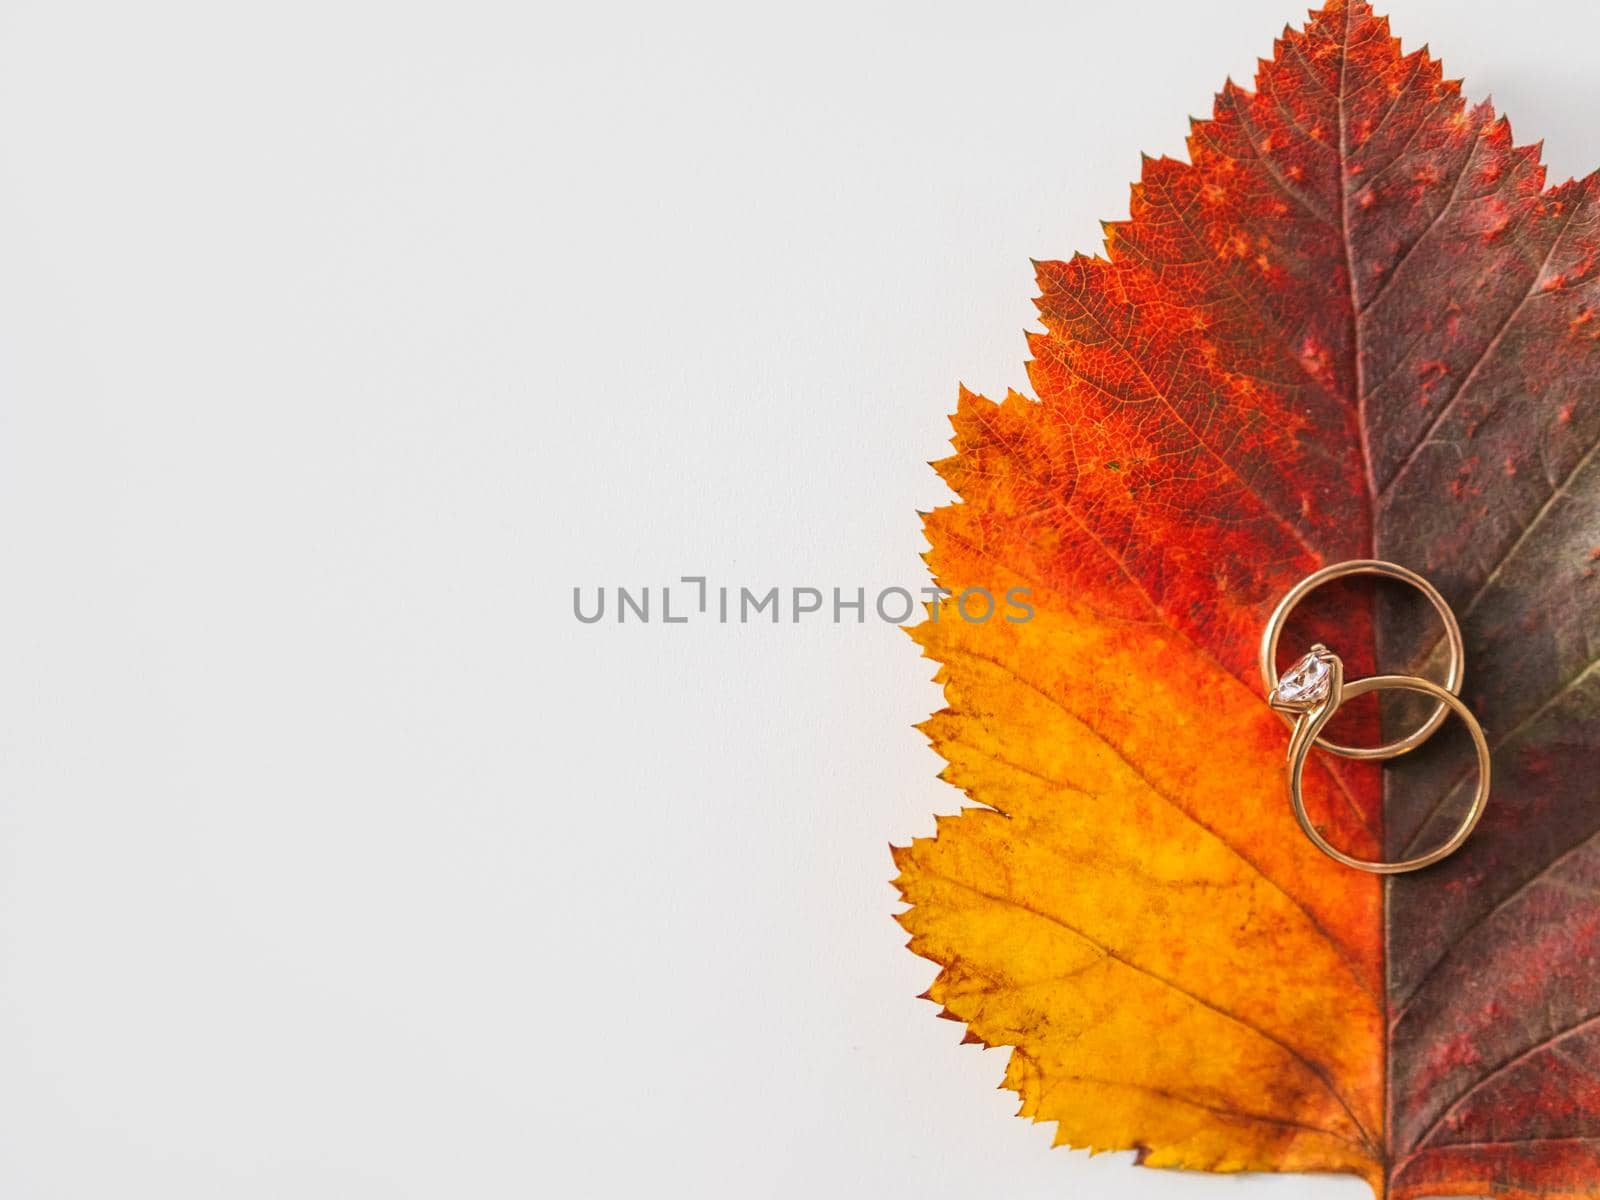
<point>338,342</point>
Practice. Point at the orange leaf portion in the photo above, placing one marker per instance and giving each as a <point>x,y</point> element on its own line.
<point>1096,916</point>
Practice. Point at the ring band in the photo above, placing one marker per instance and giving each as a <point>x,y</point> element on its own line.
<point>1312,708</point>
<point>1452,633</point>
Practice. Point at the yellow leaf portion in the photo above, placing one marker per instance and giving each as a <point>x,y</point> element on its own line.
<point>1178,970</point>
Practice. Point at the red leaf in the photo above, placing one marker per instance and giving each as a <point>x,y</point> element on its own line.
<point>1357,324</point>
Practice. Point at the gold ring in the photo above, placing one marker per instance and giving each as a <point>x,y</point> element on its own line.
<point>1312,706</point>
<point>1388,570</point>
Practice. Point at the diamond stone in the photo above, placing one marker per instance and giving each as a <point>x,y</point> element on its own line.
<point>1306,681</point>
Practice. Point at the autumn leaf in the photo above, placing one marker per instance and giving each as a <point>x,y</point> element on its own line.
<point>1355,324</point>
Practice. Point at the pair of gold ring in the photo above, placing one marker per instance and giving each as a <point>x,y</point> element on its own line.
<point>1313,688</point>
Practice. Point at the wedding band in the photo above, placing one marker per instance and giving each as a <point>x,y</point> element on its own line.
<point>1310,705</point>
<point>1388,570</point>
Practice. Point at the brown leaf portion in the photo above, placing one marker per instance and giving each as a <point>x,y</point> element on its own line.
<point>1503,488</point>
